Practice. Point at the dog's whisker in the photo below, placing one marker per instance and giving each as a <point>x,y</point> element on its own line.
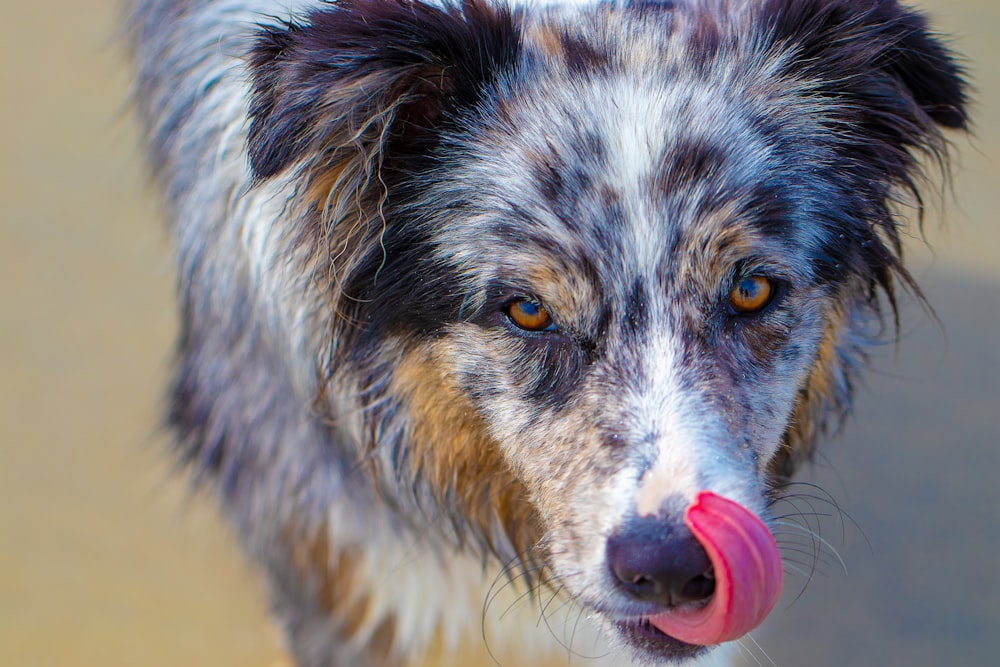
<point>815,557</point>
<point>528,595</point>
<point>759,648</point>
<point>843,514</point>
<point>805,570</point>
<point>543,610</point>
<point>818,539</point>
<point>563,641</point>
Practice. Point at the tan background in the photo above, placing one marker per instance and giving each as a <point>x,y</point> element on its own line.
<point>104,561</point>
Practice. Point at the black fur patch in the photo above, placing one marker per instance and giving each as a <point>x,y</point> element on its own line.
<point>580,56</point>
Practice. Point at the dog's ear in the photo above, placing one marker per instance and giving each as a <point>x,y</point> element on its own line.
<point>366,81</point>
<point>877,57</point>
<point>883,86</point>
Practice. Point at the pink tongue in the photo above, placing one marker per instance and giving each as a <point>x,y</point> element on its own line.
<point>748,574</point>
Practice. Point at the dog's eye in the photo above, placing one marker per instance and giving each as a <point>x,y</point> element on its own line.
<point>751,294</point>
<point>530,316</point>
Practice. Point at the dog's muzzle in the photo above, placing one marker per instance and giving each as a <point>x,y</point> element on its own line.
<point>716,581</point>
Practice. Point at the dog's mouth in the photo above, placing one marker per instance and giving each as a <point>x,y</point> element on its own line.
<point>747,572</point>
<point>643,635</point>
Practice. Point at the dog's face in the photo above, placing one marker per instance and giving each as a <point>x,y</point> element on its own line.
<point>586,265</point>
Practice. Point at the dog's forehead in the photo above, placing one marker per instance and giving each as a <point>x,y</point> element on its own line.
<point>593,154</point>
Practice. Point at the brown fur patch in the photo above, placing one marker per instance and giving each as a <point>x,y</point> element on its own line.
<point>451,450</point>
<point>546,38</point>
<point>563,286</point>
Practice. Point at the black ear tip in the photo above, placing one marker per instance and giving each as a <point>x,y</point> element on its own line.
<point>952,117</point>
<point>270,119</point>
<point>943,94</point>
<point>262,165</point>
<point>936,76</point>
<point>956,114</point>
<point>273,137</point>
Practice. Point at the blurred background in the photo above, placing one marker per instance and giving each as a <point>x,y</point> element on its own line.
<point>105,559</point>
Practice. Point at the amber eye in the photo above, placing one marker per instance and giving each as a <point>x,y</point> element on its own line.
<point>751,294</point>
<point>530,316</point>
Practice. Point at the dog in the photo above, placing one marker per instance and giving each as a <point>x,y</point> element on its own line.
<point>545,300</point>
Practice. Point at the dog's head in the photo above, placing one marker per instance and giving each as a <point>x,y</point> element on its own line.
<point>584,264</point>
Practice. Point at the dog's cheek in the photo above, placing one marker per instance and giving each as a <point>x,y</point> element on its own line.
<point>449,451</point>
<point>549,432</point>
<point>504,463</point>
<point>496,452</point>
<point>579,482</point>
<point>824,395</point>
<point>766,387</point>
<point>753,370</point>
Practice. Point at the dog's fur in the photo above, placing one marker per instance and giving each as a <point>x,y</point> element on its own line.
<point>360,190</point>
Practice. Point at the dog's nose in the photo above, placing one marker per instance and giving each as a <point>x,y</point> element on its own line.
<point>654,560</point>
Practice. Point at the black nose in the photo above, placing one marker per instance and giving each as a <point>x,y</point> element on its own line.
<point>655,560</point>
